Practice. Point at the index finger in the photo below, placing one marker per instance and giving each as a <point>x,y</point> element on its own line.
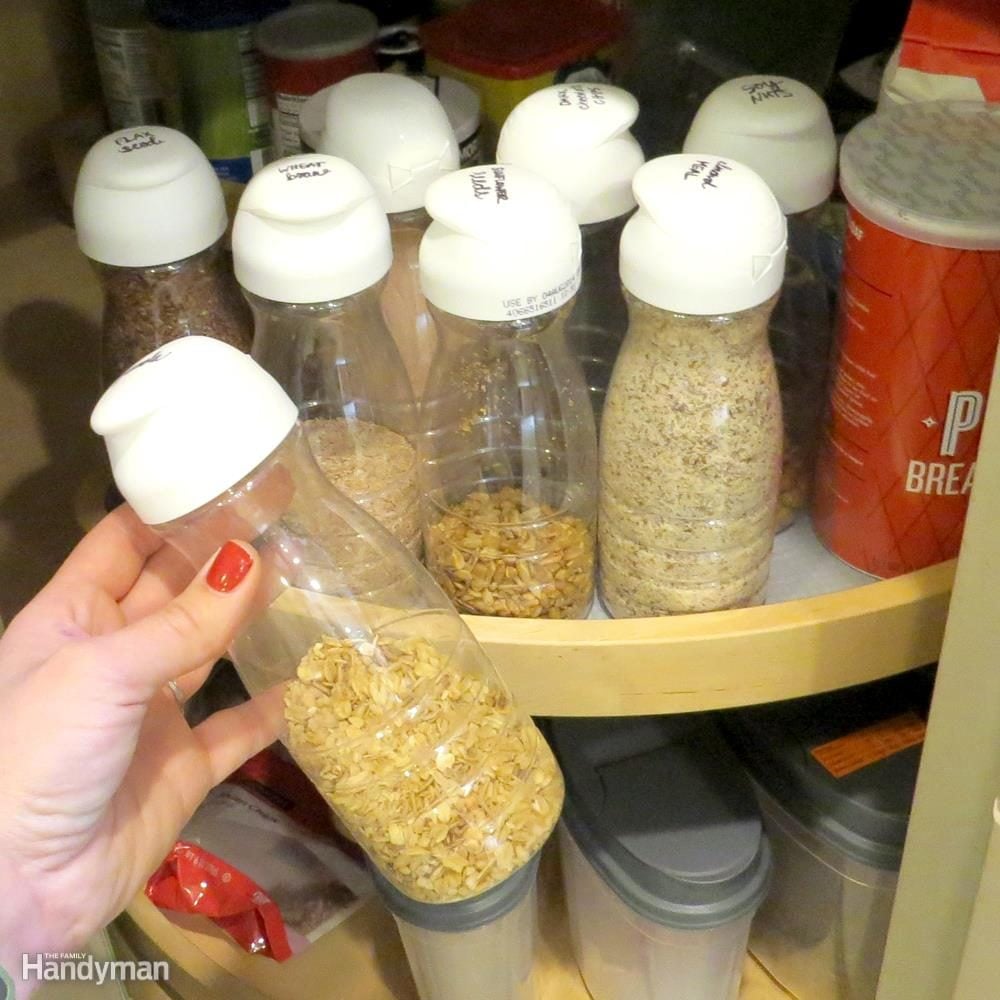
<point>112,554</point>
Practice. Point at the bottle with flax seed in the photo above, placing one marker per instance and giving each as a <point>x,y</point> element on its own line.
<point>149,212</point>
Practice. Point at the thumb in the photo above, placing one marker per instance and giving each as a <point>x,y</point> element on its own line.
<point>192,629</point>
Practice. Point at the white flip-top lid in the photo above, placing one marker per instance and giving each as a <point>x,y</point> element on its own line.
<point>187,422</point>
<point>503,245</point>
<point>309,228</point>
<point>709,236</point>
<point>395,131</point>
<point>779,127</point>
<point>147,196</point>
<point>576,135</point>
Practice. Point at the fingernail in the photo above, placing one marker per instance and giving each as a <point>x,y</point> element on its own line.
<point>231,565</point>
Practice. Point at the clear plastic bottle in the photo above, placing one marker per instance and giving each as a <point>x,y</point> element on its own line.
<point>391,707</point>
<point>397,133</point>
<point>508,443</point>
<point>149,213</point>
<point>576,135</point>
<point>691,445</point>
<point>311,250</point>
<point>781,129</point>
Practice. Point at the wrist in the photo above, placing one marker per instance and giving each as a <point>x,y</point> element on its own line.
<point>21,930</point>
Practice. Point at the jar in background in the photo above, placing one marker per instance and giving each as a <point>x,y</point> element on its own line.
<point>149,212</point>
<point>390,706</point>
<point>781,129</point>
<point>917,335</point>
<point>507,49</point>
<point>305,48</point>
<point>213,82</point>
<point>311,250</point>
<point>397,134</point>
<point>460,103</point>
<point>576,136</point>
<point>691,435</point>
<point>507,431</point>
<point>123,45</point>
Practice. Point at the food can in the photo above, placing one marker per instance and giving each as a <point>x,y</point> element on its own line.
<point>306,48</point>
<point>917,334</point>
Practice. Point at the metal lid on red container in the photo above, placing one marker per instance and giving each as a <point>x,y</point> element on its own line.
<point>316,31</point>
<point>929,172</point>
<point>519,39</point>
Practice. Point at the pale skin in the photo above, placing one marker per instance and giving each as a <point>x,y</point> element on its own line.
<point>99,770</point>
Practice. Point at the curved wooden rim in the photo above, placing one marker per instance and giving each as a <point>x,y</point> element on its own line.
<point>721,659</point>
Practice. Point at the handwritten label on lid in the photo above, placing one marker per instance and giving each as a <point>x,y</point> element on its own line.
<point>583,97</point>
<point>765,90</point>
<point>850,753</point>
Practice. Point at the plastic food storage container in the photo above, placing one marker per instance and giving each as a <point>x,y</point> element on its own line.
<point>150,214</point>
<point>781,129</point>
<point>691,431</point>
<point>311,249</point>
<point>397,133</point>
<point>307,47</point>
<point>664,861</point>
<point>509,451</point>
<point>835,776</point>
<point>577,137</point>
<point>480,948</point>
<point>390,706</point>
<point>507,49</point>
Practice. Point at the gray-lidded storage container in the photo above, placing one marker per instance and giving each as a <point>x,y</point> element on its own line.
<point>664,860</point>
<point>837,841</point>
<point>476,949</point>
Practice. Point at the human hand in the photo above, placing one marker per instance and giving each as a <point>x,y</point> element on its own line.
<point>98,768</point>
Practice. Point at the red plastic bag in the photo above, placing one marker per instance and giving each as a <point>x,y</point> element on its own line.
<point>950,50</point>
<point>192,880</point>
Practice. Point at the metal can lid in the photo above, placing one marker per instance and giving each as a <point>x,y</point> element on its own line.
<point>928,172</point>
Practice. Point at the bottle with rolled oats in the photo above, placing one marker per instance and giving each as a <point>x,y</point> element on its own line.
<point>509,450</point>
<point>691,434</point>
<point>391,707</point>
<point>311,249</point>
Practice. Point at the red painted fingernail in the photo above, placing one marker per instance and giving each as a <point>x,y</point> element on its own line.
<point>231,565</point>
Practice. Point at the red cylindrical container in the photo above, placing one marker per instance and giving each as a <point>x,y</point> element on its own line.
<point>307,47</point>
<point>918,331</point>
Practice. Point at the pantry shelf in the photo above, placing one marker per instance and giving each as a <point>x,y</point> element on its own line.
<point>797,647</point>
<point>361,958</point>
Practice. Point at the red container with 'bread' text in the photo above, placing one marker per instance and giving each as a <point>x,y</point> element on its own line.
<point>918,330</point>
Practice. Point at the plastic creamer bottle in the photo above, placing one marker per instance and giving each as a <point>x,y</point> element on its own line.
<point>311,250</point>
<point>390,706</point>
<point>509,453</point>
<point>576,135</point>
<point>149,213</point>
<point>396,132</point>
<point>781,129</point>
<point>691,437</point>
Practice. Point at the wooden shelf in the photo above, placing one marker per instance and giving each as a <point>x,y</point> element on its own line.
<point>361,960</point>
<point>690,663</point>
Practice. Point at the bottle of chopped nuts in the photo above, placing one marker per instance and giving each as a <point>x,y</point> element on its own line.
<point>311,249</point>
<point>150,214</point>
<point>576,136</point>
<point>509,448</point>
<point>781,129</point>
<point>691,436</point>
<point>397,133</point>
<point>391,707</point>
